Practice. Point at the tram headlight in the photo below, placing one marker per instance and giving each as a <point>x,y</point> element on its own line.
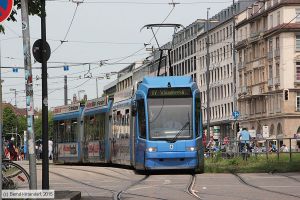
<point>191,149</point>
<point>151,149</point>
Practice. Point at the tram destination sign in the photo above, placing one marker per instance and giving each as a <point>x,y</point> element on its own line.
<point>169,92</point>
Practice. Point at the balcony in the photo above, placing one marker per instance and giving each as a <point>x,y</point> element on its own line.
<point>270,82</point>
<point>241,65</point>
<point>277,52</point>
<point>276,81</point>
<point>270,55</point>
<point>254,36</point>
<point>243,90</point>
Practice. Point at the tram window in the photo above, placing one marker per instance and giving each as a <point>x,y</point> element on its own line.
<point>141,118</point>
<point>61,130</point>
<point>198,114</point>
<point>127,116</point>
<point>73,132</point>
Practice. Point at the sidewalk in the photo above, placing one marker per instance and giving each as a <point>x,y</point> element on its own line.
<point>26,162</point>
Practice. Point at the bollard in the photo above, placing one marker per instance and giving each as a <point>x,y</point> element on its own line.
<point>277,141</point>
<point>290,152</point>
<point>267,149</point>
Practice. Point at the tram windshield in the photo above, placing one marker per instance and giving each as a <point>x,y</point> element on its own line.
<point>169,117</point>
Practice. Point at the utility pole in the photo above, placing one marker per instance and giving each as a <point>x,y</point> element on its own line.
<point>234,71</point>
<point>45,165</point>
<point>1,121</point>
<point>97,87</point>
<point>207,79</point>
<point>66,90</point>
<point>29,94</point>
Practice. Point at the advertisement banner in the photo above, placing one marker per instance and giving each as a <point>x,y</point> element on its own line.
<point>93,149</point>
<point>266,132</point>
<point>68,150</point>
<point>96,149</point>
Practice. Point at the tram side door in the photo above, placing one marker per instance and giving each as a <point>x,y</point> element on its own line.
<point>141,134</point>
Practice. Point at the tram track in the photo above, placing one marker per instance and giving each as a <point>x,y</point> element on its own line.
<point>99,173</point>
<point>118,195</point>
<point>191,185</point>
<point>80,182</point>
<point>289,177</point>
<point>263,189</point>
<point>110,190</point>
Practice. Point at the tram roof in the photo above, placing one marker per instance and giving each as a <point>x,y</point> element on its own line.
<point>66,116</point>
<point>99,109</point>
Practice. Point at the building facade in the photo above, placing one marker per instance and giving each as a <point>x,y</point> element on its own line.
<point>220,70</point>
<point>268,56</point>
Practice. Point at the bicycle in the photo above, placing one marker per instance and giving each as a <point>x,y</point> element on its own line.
<point>14,176</point>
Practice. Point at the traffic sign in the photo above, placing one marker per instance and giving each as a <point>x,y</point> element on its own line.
<point>66,68</point>
<point>6,7</point>
<point>235,114</point>
<point>37,49</point>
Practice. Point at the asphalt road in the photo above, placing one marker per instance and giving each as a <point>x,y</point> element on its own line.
<point>101,182</point>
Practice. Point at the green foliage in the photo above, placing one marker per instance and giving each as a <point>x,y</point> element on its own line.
<point>34,8</point>
<point>9,120</point>
<point>254,164</point>
<point>38,126</point>
<point>22,124</point>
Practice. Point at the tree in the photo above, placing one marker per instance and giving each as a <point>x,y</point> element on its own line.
<point>38,126</point>
<point>9,120</point>
<point>34,8</point>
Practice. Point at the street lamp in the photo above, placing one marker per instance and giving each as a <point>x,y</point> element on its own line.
<point>207,21</point>
<point>80,91</point>
<point>14,90</point>
<point>100,77</point>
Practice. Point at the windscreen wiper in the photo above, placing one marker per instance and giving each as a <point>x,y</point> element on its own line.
<point>180,131</point>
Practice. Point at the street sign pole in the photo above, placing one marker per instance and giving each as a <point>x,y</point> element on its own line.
<point>1,123</point>
<point>6,7</point>
<point>45,166</point>
<point>29,94</point>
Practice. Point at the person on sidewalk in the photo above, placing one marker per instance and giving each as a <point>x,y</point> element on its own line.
<point>245,141</point>
<point>50,149</point>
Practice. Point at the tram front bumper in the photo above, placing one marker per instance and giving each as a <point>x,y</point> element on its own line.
<point>171,160</point>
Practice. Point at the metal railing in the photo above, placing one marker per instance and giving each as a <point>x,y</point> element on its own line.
<point>276,81</point>
<point>275,148</point>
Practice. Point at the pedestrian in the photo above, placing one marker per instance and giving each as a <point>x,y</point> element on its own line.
<point>245,141</point>
<point>41,151</point>
<point>50,149</point>
<point>11,149</point>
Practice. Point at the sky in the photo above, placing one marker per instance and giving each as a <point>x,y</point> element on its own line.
<point>95,30</point>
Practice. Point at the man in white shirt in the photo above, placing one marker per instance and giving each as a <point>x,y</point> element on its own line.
<point>50,149</point>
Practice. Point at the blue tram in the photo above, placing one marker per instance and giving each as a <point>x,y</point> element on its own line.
<point>156,126</point>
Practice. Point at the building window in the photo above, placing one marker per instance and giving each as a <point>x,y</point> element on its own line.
<point>278,17</point>
<point>271,21</point>
<point>297,42</point>
<point>277,42</point>
<point>270,71</point>
<point>297,15</point>
<point>298,102</point>
<point>270,45</point>
<point>297,71</point>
